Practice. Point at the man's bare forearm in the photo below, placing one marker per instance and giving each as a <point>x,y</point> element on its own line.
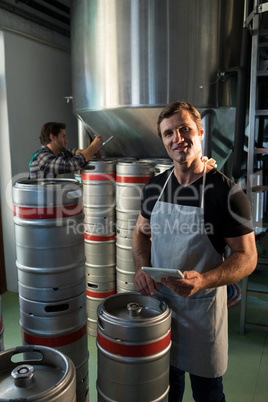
<point>236,267</point>
<point>141,250</point>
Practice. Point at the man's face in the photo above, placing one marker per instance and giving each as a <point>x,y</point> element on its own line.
<point>181,137</point>
<point>60,140</point>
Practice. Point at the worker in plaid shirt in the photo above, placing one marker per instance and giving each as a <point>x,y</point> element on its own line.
<point>54,159</point>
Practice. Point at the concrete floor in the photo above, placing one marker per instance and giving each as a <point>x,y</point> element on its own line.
<point>246,378</point>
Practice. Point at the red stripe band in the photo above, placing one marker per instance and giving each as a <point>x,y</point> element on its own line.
<point>132,179</point>
<point>127,350</point>
<point>98,177</point>
<point>54,342</point>
<point>48,212</point>
<point>100,295</point>
<point>98,238</point>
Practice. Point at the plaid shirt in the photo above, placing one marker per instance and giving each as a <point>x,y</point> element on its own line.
<point>46,165</point>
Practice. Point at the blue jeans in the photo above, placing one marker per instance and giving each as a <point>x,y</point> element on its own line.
<point>204,389</point>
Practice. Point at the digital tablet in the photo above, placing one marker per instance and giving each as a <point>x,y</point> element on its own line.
<point>158,273</point>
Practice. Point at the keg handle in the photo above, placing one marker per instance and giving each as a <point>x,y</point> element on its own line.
<point>134,309</point>
<point>48,182</point>
<point>74,194</point>
<point>90,167</point>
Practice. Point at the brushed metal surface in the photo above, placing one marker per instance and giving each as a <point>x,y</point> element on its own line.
<point>131,58</point>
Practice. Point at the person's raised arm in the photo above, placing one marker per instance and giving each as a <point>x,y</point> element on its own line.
<point>141,250</point>
<point>91,149</point>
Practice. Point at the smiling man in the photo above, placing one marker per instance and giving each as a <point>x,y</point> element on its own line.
<point>189,215</point>
<point>53,159</point>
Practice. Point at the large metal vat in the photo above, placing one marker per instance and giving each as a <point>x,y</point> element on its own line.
<point>131,58</point>
<point>133,344</point>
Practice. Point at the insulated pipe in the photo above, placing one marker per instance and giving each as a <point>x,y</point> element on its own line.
<point>84,137</point>
<point>242,101</point>
<point>208,120</point>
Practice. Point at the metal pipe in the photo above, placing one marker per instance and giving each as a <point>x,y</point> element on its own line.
<point>208,120</point>
<point>242,101</point>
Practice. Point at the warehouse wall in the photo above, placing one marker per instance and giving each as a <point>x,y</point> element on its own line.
<point>35,76</point>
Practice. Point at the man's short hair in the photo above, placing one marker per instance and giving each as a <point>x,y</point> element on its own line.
<point>176,107</point>
<point>50,128</point>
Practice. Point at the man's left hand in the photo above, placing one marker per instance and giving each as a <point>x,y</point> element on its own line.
<point>186,287</point>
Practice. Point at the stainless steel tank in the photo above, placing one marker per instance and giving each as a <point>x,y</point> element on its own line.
<point>133,344</point>
<point>132,58</point>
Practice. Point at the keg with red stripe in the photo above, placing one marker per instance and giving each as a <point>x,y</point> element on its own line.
<point>133,343</point>
<point>77,175</point>
<point>62,326</point>
<point>98,178</point>
<point>97,292</point>
<point>130,180</point>
<point>48,216</point>
<point>99,250</point>
<point>49,230</point>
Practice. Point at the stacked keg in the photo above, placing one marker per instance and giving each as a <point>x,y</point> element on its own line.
<point>162,166</point>
<point>133,343</point>
<point>48,216</point>
<point>130,180</point>
<point>98,179</point>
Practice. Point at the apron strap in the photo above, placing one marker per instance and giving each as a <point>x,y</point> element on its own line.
<point>165,184</point>
<point>210,162</point>
<point>206,161</point>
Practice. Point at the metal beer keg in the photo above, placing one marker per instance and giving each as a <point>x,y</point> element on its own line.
<point>98,178</point>
<point>124,281</point>
<point>125,223</point>
<point>162,167</point>
<point>48,216</point>
<point>43,374</point>
<point>125,267</point>
<point>97,292</point>
<point>133,344</point>
<point>49,229</point>
<point>130,180</point>
<point>124,259</point>
<point>99,250</point>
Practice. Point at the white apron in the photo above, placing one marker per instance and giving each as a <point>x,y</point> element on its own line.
<point>199,329</point>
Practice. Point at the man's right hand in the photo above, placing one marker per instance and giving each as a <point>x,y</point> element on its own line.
<point>144,284</point>
<point>97,143</point>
